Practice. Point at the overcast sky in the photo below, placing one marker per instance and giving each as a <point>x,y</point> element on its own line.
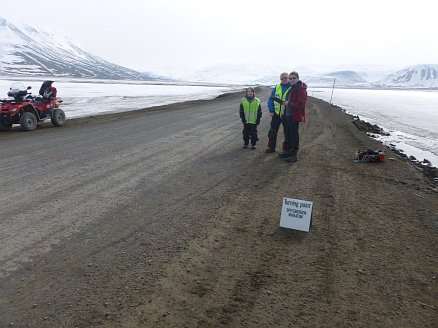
<point>165,35</point>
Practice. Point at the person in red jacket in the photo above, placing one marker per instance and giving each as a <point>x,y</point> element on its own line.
<point>294,114</point>
<point>53,91</point>
<point>47,91</point>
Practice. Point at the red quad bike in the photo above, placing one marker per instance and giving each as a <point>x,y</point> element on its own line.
<point>28,111</point>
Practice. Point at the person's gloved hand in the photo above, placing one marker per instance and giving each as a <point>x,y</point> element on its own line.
<point>258,121</point>
<point>243,121</point>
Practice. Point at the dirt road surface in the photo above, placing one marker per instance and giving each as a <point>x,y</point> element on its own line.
<point>158,218</point>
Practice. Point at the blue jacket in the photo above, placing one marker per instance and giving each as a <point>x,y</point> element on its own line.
<point>271,106</point>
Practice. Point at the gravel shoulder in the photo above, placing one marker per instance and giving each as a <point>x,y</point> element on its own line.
<point>158,218</point>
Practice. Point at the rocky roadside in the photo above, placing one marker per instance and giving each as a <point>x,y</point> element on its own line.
<point>425,166</point>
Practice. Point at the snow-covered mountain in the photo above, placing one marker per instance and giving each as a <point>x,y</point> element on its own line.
<point>343,78</point>
<point>30,51</point>
<point>418,76</point>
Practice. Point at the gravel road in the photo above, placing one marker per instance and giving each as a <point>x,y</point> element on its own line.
<point>158,218</point>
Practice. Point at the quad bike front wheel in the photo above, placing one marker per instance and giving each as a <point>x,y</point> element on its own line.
<point>28,121</point>
<point>58,118</point>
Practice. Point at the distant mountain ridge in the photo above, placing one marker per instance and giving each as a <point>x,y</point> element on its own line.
<point>341,78</point>
<point>232,73</point>
<point>29,51</point>
<point>263,74</point>
<point>423,76</point>
<point>416,76</point>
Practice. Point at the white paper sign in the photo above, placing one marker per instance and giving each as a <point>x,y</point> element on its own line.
<point>296,214</point>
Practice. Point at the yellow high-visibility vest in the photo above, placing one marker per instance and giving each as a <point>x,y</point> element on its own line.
<point>250,109</point>
<point>279,108</point>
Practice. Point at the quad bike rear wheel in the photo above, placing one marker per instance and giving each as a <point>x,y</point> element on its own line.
<point>28,121</point>
<point>5,126</point>
<point>58,117</point>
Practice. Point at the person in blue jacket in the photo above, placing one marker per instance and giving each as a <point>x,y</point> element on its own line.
<point>277,109</point>
<point>250,112</point>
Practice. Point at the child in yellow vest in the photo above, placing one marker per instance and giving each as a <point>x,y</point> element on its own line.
<point>250,114</point>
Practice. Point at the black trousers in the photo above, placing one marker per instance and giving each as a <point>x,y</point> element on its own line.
<point>276,121</point>
<point>250,132</point>
<point>291,132</point>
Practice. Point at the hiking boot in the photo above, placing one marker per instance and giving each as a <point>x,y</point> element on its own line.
<point>284,154</point>
<point>253,147</point>
<point>245,146</point>
<point>293,157</point>
<point>269,150</point>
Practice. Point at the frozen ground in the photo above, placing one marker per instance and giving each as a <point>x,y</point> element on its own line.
<point>410,116</point>
<point>85,98</point>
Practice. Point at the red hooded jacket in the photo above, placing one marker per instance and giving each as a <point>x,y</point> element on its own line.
<point>297,102</point>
